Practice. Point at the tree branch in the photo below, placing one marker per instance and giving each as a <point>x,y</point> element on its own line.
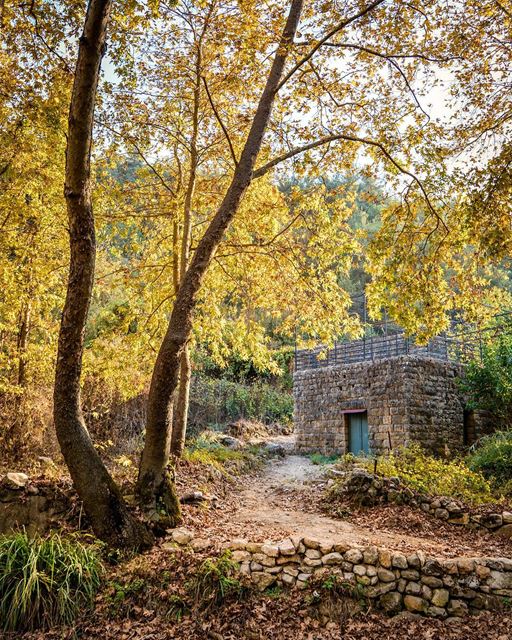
<point>392,62</point>
<point>397,56</point>
<point>339,27</point>
<point>269,242</point>
<point>233,155</point>
<point>348,138</point>
<point>154,170</point>
<point>504,9</point>
<point>39,35</point>
<point>149,164</point>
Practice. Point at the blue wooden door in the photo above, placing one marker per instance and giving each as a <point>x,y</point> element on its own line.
<point>358,433</point>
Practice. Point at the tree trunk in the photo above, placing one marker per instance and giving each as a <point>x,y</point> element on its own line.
<point>166,371</point>
<point>16,436</point>
<point>103,503</point>
<point>180,414</point>
<point>175,256</point>
<point>22,345</point>
<point>180,417</point>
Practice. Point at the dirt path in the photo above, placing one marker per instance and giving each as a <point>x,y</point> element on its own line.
<point>284,500</point>
<point>272,503</point>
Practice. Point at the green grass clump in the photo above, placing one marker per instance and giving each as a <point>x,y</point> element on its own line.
<point>434,476</point>
<point>492,457</point>
<point>205,449</point>
<point>332,597</point>
<point>45,581</point>
<point>216,582</point>
<point>321,459</point>
<point>276,591</point>
<point>121,593</point>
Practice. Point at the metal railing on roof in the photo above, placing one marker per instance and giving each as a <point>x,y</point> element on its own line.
<point>461,347</point>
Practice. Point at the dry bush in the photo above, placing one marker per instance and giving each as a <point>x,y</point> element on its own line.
<point>110,417</point>
<point>26,426</point>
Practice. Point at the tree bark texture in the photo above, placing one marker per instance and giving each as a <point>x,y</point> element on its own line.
<point>181,405</point>
<point>103,502</point>
<point>23,344</point>
<point>166,371</point>
<point>16,436</point>
<point>180,417</point>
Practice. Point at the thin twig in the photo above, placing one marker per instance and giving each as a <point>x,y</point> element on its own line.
<point>149,164</point>
<point>219,120</point>
<point>328,36</point>
<point>392,62</point>
<point>271,240</point>
<point>348,138</point>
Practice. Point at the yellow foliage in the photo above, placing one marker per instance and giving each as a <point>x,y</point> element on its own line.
<point>206,450</point>
<point>434,476</point>
<point>123,461</point>
<point>280,269</point>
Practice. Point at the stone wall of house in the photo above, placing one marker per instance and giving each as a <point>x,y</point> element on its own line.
<point>407,398</point>
<point>391,580</point>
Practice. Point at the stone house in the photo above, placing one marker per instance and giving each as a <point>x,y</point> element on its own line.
<point>372,395</point>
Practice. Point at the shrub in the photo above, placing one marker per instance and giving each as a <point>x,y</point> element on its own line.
<point>321,459</point>
<point>506,490</point>
<point>488,384</point>
<point>435,476</point>
<point>45,581</point>
<point>218,402</point>
<point>205,449</point>
<point>493,458</point>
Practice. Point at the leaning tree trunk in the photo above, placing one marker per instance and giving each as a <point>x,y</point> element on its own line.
<point>102,499</point>
<point>153,481</point>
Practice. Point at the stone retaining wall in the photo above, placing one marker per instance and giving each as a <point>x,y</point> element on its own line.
<point>368,490</point>
<point>407,399</point>
<point>393,581</point>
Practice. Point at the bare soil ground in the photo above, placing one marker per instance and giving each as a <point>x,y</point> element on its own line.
<point>286,498</point>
